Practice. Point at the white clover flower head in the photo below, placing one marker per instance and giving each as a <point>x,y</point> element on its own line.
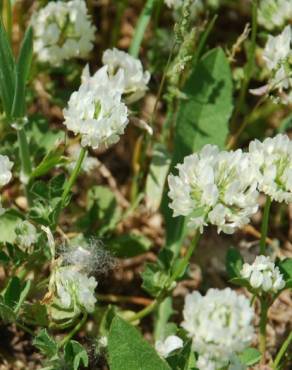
<point>89,163</point>
<point>62,31</point>
<point>274,14</point>
<point>214,187</point>
<point>135,79</point>
<point>219,324</point>
<point>73,291</point>
<point>26,234</point>
<point>277,49</point>
<point>263,275</point>
<point>273,157</point>
<point>168,345</point>
<point>5,170</point>
<point>96,111</point>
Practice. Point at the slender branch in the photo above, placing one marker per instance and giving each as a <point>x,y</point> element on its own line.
<point>74,331</point>
<point>73,176</point>
<point>26,166</point>
<point>250,62</point>
<point>25,328</point>
<point>124,299</point>
<point>141,26</point>
<point>265,224</point>
<point>282,351</point>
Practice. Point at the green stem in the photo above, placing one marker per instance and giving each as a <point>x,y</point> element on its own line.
<point>282,351</point>
<point>263,326</point>
<point>265,224</point>
<point>75,330</point>
<point>25,328</point>
<point>26,166</point>
<point>121,6</point>
<point>250,62</point>
<point>141,26</point>
<point>176,274</point>
<point>73,176</point>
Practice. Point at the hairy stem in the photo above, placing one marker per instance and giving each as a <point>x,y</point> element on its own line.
<point>141,26</point>
<point>265,224</point>
<point>282,351</point>
<point>263,327</point>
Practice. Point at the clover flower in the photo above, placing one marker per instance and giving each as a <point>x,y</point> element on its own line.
<point>219,324</point>
<point>5,174</point>
<point>273,157</point>
<point>73,293</point>
<point>5,170</point>
<point>62,30</point>
<point>215,187</point>
<point>96,110</point>
<point>263,275</point>
<point>168,345</point>
<point>135,79</point>
<point>277,55</point>
<point>274,13</point>
<point>26,234</point>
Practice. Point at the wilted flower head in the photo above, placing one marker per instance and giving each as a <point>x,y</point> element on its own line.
<point>263,275</point>
<point>273,156</point>
<point>87,255</point>
<point>96,110</point>
<point>135,79</point>
<point>73,293</point>
<point>216,188</point>
<point>62,30</point>
<point>219,324</point>
<point>5,170</point>
<point>26,234</point>
<point>274,13</point>
<point>168,345</point>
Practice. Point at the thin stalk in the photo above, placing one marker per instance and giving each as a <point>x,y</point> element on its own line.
<point>121,6</point>
<point>265,224</point>
<point>26,165</point>
<point>263,327</point>
<point>73,176</point>
<point>282,351</point>
<point>141,26</point>
<point>75,330</point>
<point>250,62</point>
<point>25,328</point>
<point>176,274</point>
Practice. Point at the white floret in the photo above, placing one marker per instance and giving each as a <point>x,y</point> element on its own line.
<point>263,275</point>
<point>273,157</point>
<point>96,111</point>
<point>62,31</point>
<point>168,345</point>
<point>135,79</point>
<point>219,324</point>
<point>214,187</point>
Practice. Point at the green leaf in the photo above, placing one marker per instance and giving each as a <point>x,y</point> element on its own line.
<point>241,282</point>
<point>250,356</point>
<point>75,355</point>
<point>12,292</point>
<point>234,263</point>
<point>23,294</point>
<point>184,359</point>
<point>156,178</point>
<point>129,245</point>
<point>285,267</point>
<point>6,313</point>
<point>129,351</point>
<point>7,66</point>
<point>52,159</point>
<point>8,223</point>
<point>22,72</point>
<point>202,119</point>
<point>45,343</point>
